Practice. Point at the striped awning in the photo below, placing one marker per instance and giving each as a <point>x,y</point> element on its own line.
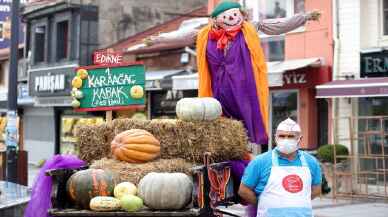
<point>367,87</point>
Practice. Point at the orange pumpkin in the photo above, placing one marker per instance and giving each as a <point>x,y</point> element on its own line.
<point>135,146</point>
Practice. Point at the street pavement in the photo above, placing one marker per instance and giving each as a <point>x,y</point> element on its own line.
<point>327,207</point>
<point>323,207</point>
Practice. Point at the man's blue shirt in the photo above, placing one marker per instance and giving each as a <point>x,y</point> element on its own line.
<point>257,173</point>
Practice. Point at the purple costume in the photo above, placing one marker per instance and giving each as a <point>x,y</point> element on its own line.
<point>233,84</point>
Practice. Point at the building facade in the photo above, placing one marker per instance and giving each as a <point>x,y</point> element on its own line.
<point>358,94</point>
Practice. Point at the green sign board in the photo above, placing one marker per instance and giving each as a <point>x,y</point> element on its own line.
<point>103,88</point>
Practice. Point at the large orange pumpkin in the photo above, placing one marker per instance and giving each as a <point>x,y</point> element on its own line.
<point>135,146</point>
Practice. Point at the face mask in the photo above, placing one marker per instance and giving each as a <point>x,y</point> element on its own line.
<point>287,146</point>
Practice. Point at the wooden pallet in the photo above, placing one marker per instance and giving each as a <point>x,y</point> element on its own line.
<point>142,213</point>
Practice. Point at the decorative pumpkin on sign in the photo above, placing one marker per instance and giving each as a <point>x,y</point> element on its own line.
<point>75,103</point>
<point>83,185</point>
<point>82,73</point>
<point>137,92</point>
<point>198,109</point>
<point>166,191</point>
<point>231,63</point>
<point>135,146</point>
<point>76,82</point>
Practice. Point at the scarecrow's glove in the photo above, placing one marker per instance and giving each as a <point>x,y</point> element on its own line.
<point>314,15</point>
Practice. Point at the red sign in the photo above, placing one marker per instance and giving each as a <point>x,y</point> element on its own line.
<point>107,58</point>
<point>292,183</point>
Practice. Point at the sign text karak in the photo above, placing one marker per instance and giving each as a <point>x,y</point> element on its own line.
<point>101,88</point>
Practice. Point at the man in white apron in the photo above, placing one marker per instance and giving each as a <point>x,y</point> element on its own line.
<point>282,182</point>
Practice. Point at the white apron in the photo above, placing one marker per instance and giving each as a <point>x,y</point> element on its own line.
<point>288,191</point>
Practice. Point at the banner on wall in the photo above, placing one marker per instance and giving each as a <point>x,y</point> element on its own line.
<point>5,24</point>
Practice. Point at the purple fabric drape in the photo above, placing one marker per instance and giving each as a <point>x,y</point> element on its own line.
<point>40,200</point>
<point>233,84</point>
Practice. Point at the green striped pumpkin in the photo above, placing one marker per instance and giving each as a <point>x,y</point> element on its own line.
<point>84,185</point>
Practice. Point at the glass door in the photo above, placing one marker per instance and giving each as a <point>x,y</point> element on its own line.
<point>283,105</point>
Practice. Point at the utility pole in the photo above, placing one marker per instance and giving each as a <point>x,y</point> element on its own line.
<point>11,130</point>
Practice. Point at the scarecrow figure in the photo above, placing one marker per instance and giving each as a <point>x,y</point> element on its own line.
<point>231,64</point>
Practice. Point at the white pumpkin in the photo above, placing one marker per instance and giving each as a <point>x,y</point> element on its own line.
<point>198,109</point>
<point>165,191</point>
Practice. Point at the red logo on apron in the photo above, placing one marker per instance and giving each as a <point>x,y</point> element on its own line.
<point>292,183</point>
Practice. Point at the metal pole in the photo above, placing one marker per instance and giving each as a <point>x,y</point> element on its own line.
<point>11,130</point>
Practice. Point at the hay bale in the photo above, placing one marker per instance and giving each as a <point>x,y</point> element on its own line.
<point>224,138</point>
<point>92,141</point>
<point>134,172</point>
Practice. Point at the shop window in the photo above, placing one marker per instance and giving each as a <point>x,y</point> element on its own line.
<point>69,124</point>
<point>373,135</point>
<point>62,40</point>
<point>284,104</point>
<point>40,42</point>
<point>385,17</point>
<point>273,48</point>
<point>323,123</point>
<point>163,102</point>
<point>275,9</point>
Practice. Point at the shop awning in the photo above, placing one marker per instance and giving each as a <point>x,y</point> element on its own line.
<point>158,80</point>
<point>276,69</point>
<point>185,82</point>
<point>275,73</point>
<point>368,87</point>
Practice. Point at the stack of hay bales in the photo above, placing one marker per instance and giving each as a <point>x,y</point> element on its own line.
<point>224,138</point>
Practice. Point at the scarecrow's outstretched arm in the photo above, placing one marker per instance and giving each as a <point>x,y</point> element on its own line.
<point>281,26</point>
<point>176,37</point>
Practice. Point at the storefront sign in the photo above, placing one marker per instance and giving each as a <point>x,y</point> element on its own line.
<point>374,64</point>
<point>295,78</point>
<point>106,58</point>
<point>305,78</point>
<point>111,88</point>
<point>50,82</point>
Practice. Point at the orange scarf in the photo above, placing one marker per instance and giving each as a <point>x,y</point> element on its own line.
<point>259,67</point>
<point>223,36</point>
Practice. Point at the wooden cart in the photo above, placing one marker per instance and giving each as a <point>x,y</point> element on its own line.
<point>208,193</point>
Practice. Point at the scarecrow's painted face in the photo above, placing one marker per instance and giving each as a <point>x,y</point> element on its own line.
<point>229,19</point>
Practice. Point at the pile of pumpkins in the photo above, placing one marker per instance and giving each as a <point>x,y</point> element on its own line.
<point>96,189</point>
<point>140,146</point>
